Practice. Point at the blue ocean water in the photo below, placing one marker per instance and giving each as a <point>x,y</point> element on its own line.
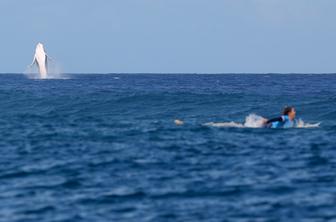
<point>105,148</point>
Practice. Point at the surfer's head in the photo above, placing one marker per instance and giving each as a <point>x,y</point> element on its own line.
<point>290,112</point>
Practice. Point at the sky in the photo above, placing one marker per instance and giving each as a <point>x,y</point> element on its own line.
<point>171,36</point>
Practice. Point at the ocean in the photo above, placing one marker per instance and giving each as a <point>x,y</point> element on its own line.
<point>104,147</point>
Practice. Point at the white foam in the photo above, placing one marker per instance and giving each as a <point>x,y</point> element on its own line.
<point>254,121</point>
<point>225,124</point>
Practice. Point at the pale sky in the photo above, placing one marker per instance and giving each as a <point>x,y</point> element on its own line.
<point>171,36</point>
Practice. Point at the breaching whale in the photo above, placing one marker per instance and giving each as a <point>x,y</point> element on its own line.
<point>41,60</point>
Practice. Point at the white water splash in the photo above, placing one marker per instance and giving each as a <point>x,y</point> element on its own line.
<point>54,73</point>
<point>255,121</point>
<point>225,124</point>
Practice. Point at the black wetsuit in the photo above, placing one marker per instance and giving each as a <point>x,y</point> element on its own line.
<point>281,122</point>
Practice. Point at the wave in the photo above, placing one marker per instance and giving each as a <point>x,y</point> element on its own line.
<point>255,121</point>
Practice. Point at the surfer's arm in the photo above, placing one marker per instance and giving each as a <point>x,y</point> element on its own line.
<point>278,119</point>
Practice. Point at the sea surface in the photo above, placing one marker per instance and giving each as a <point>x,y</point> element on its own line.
<point>104,147</point>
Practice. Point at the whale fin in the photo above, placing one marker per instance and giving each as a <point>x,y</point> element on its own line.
<point>34,62</point>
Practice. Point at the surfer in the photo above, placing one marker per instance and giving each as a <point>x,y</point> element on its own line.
<point>287,120</point>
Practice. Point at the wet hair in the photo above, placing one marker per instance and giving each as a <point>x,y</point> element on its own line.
<point>287,110</point>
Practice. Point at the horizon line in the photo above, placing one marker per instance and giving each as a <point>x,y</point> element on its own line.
<point>183,73</point>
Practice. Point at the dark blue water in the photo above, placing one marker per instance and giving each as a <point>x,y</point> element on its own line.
<point>105,148</point>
